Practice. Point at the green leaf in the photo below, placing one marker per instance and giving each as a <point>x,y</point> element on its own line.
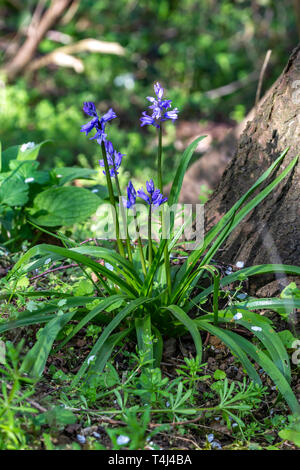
<point>186,157</point>
<point>43,313</point>
<point>13,192</point>
<point>267,364</point>
<point>243,274</point>
<point>96,350</point>
<point>190,326</point>
<point>145,343</point>
<point>64,206</point>
<point>65,174</point>
<point>15,153</point>
<point>231,344</point>
<point>29,169</point>
<point>35,360</point>
<point>102,305</point>
<point>219,374</point>
<point>231,219</point>
<point>271,341</point>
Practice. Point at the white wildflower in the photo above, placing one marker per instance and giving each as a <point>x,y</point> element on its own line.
<point>48,260</point>
<point>109,266</point>
<point>81,439</point>
<point>240,264</point>
<point>241,296</point>
<point>238,316</point>
<point>210,437</point>
<point>122,440</point>
<point>90,359</point>
<point>29,180</point>
<point>256,328</point>
<point>27,146</point>
<point>95,190</point>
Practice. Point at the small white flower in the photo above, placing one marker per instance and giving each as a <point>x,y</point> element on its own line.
<point>167,404</point>
<point>210,437</point>
<point>235,425</point>
<point>59,176</point>
<point>95,190</point>
<point>240,264</point>
<point>216,445</point>
<point>96,435</point>
<point>48,260</point>
<point>238,316</point>
<point>256,328</point>
<point>29,180</point>
<point>122,440</point>
<point>90,359</point>
<point>109,266</point>
<point>81,439</point>
<point>241,296</point>
<point>27,146</point>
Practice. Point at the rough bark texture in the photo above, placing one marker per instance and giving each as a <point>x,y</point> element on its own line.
<point>271,233</point>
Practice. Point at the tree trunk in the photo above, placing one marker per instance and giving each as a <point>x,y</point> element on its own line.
<point>271,233</point>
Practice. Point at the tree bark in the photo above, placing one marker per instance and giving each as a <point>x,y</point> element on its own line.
<point>27,50</point>
<point>271,233</point>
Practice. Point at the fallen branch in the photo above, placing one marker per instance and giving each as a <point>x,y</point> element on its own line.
<point>63,55</point>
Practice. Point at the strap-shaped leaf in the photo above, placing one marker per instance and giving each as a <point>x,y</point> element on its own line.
<point>274,373</point>
<point>244,274</point>
<point>45,313</point>
<point>35,360</point>
<point>190,326</point>
<point>132,305</point>
<point>231,344</point>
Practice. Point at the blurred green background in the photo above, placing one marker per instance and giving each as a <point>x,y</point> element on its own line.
<point>191,47</point>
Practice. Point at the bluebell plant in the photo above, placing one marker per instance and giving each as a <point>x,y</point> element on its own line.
<point>142,290</point>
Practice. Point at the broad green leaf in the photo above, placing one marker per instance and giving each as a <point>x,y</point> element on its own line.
<point>65,174</point>
<point>64,206</point>
<point>13,192</point>
<point>18,152</point>
<point>290,435</point>
<point>29,169</point>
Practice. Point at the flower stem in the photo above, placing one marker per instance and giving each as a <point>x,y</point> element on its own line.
<point>137,228</point>
<point>160,187</point>
<point>150,236</point>
<point>112,198</point>
<point>123,218</point>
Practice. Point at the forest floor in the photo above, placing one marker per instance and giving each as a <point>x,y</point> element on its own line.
<point>94,414</point>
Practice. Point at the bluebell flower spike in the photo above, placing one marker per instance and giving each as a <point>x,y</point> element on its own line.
<point>159,109</point>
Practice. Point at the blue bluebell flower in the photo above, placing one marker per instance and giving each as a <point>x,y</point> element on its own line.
<point>159,109</point>
<point>131,195</point>
<point>114,161</point>
<point>154,197</point>
<point>96,123</point>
